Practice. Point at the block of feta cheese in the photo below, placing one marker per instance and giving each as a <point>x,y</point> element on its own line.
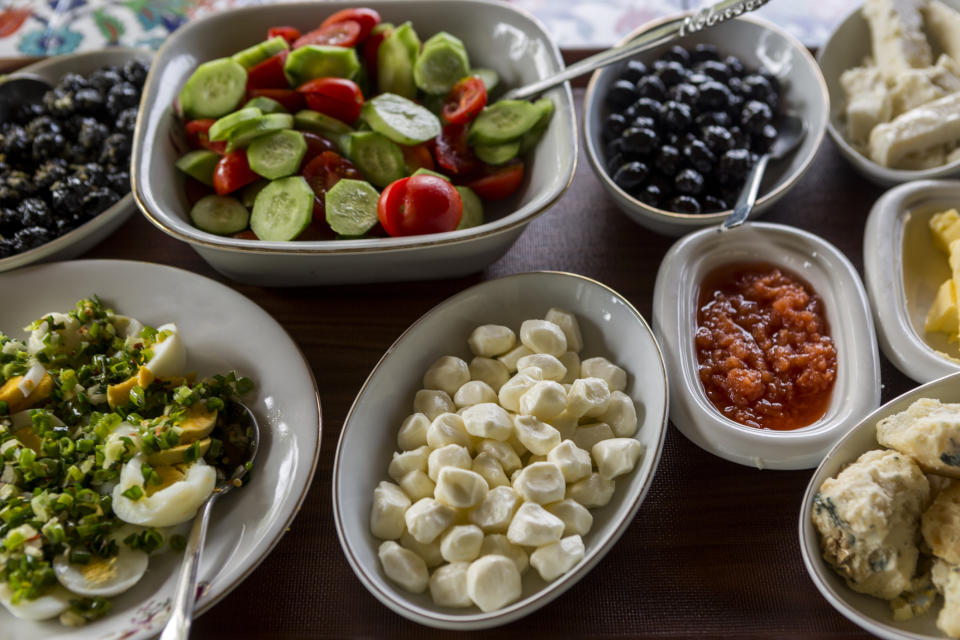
<point>922,128</point>
<point>868,101</point>
<point>929,432</point>
<point>896,35</point>
<point>943,26</point>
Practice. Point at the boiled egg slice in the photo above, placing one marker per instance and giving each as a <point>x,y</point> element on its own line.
<point>64,340</point>
<point>115,446</point>
<point>170,505</point>
<point>128,328</point>
<point>49,605</point>
<point>106,577</point>
<point>169,355</point>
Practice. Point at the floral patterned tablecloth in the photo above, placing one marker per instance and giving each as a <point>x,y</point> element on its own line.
<point>52,27</point>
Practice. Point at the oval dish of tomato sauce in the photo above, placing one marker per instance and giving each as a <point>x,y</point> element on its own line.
<point>763,348</point>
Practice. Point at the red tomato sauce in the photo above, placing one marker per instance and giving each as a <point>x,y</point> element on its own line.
<point>764,353</point>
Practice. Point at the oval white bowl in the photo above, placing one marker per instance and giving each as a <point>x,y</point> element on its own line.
<point>87,235</point>
<point>759,44</point>
<point>846,48</point>
<point>611,328</point>
<point>903,269</point>
<point>856,390</point>
<point>871,614</point>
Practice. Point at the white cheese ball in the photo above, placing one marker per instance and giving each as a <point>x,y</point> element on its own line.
<point>491,340</point>
<point>545,399</point>
<point>448,428</point>
<point>592,492</point>
<point>404,567</point>
<point>460,488</point>
<point>461,543</point>
<point>551,368</point>
<point>451,455</point>
<point>569,325</point>
<point>429,551</point>
<point>534,526</point>
<point>432,403</point>
<point>602,368</point>
<point>474,392</point>
<point>487,420</point>
<point>519,384</point>
<point>491,371</point>
<point>495,512</point>
<point>493,582</point>
<point>553,560</point>
<point>448,586</point>
<point>574,463</point>
<point>540,482</point>
<point>590,434</point>
<point>621,415</point>
<point>488,467</point>
<point>386,514</point>
<point>407,461</point>
<point>566,423</point>
<point>616,456</point>
<point>537,436</point>
<point>588,395</point>
<point>577,519</point>
<point>510,358</point>
<point>570,362</point>
<point>448,373</point>
<point>497,543</point>
<point>417,484</point>
<point>543,336</point>
<point>413,432</point>
<point>502,452</point>
<point>426,519</point>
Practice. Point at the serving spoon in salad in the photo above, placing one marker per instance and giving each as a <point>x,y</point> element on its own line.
<point>185,598</point>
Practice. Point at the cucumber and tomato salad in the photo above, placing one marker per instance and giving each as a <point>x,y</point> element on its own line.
<point>352,125</point>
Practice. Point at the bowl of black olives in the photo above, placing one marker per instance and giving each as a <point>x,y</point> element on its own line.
<point>673,133</point>
<point>65,158</point>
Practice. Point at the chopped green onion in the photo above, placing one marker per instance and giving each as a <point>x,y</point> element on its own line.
<point>133,493</point>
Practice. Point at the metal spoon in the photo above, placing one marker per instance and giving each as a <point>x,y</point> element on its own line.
<point>791,132</point>
<point>661,34</point>
<point>178,626</point>
<point>20,89</point>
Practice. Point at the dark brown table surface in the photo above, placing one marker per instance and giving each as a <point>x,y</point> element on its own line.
<point>713,551</point>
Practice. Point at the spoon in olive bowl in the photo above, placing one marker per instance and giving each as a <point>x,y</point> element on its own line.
<point>792,130</point>
<point>19,89</point>
<point>245,430</point>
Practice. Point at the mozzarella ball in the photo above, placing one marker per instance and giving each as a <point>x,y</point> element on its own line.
<point>413,432</point>
<point>534,526</point>
<point>531,458</point>
<point>537,436</point>
<point>513,441</point>
<point>593,491</point>
<point>590,434</point>
<point>565,423</point>
<point>497,543</point>
<point>448,586</point>
<point>488,467</point>
<point>588,395</point>
<point>461,543</point>
<point>495,512</point>
<point>553,560</point>
<point>169,506</point>
<point>493,582</point>
<point>510,392</point>
<point>491,371</point>
<point>426,519</point>
<point>545,399</point>
<point>502,452</point>
<point>404,463</point>
<point>602,368</point>
<point>571,362</point>
<point>543,336</point>
<point>460,488</point>
<point>432,403</point>
<point>551,367</point>
<point>448,373</point>
<point>417,484</point>
<point>616,456</point>
<point>569,325</point>
<point>451,455</point>
<point>448,428</point>
<point>429,551</point>
<point>540,482</point>
<point>576,517</point>
<point>621,415</point>
<point>474,392</point>
<point>404,567</point>
<point>510,358</point>
<point>386,514</point>
<point>487,420</point>
<point>490,340</point>
<point>574,463</point>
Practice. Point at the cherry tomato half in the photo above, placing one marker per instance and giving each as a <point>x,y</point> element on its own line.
<point>366,18</point>
<point>417,157</point>
<point>323,172</point>
<point>467,99</point>
<point>453,153</point>
<point>336,97</point>
<point>246,234</point>
<point>419,204</point>
<point>233,172</point>
<point>290,34</point>
<point>198,136</point>
<point>499,182</point>
<point>371,46</point>
<point>316,145</point>
<point>268,74</point>
<point>338,34</point>
<point>288,98</point>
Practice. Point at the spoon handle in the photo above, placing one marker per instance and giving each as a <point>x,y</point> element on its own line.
<point>178,626</point>
<point>748,196</point>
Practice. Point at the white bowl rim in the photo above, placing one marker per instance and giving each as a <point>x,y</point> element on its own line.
<point>518,218</point>
<point>552,590</point>
<point>706,219</point>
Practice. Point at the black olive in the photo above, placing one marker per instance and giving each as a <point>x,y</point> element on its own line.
<point>49,172</point>
<point>613,126</point>
<point>704,51</point>
<point>16,144</point>
<point>670,72</point>
<point>116,150</point>
<point>755,116</point>
<point>639,141</point>
<point>622,94</point>
<point>98,200</point>
<point>103,79</point>
<point>735,162</point>
<point>685,92</point>
<point>647,107</point>
<point>21,183</point>
<point>47,145</point>
<point>9,222</point>
<point>43,124</point>
<point>631,175</point>
<point>676,115</point>
<point>719,118</point>
<point>614,147</point>
<point>757,87</point>
<point>27,112</point>
<point>772,79</point>
<point>614,163</point>
<point>59,103</point>
<point>684,204</point>
<point>633,71</point>
<point>715,69</point>
<point>734,65</point>
<point>689,181</point>
<point>91,174</point>
<point>713,203</point>
<point>643,122</point>
<point>698,78</point>
<point>651,87</point>
<point>66,195</point>
<point>88,101</point>
<point>30,238</point>
<point>676,53</point>
<point>122,97</point>
<point>717,138</point>
<point>72,82</point>
<point>135,71</point>
<point>651,194</point>
<point>736,86</point>
<point>669,160</point>
<point>65,224</point>
<point>699,156</point>
<point>714,95</point>
<point>119,181</point>
<point>6,247</point>
<point>92,134</point>
<point>34,212</point>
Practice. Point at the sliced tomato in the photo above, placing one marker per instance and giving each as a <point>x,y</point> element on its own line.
<point>339,34</point>
<point>290,99</point>
<point>363,16</point>
<point>269,73</point>
<point>417,157</point>
<point>316,145</point>
<point>498,182</point>
<point>467,99</point>
<point>246,234</point>
<point>418,205</point>
<point>453,153</point>
<point>233,172</point>
<point>198,136</point>
<point>290,34</point>
<point>323,172</point>
<point>371,47</point>
<point>336,97</point>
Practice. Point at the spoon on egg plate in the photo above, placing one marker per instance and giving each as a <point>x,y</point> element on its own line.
<point>185,597</point>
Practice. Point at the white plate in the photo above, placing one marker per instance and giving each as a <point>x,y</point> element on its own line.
<point>903,270</point>
<point>865,611</point>
<point>87,235</point>
<point>611,328</point>
<point>857,387</point>
<point>222,331</point>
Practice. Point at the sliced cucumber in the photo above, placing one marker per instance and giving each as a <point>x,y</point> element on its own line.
<point>277,154</point>
<point>503,121</point>
<point>530,139</point>
<point>199,164</point>
<point>497,153</point>
<point>214,89</point>
<point>351,207</point>
<point>221,215</point>
<point>401,120</point>
<point>472,208</point>
<point>250,131</point>
<point>489,77</point>
<point>395,59</point>
<point>320,61</point>
<point>283,209</point>
<point>252,56</point>
<point>248,194</point>
<point>320,123</point>
<point>378,159</point>
<point>221,129</point>
<point>441,63</point>
<point>265,104</point>
<point>427,172</point>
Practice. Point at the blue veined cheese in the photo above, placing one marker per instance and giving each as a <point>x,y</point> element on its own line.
<point>943,26</point>
<point>940,524</point>
<point>946,577</point>
<point>868,518</point>
<point>896,33</point>
<point>868,101</point>
<point>929,432</point>
<point>924,128</point>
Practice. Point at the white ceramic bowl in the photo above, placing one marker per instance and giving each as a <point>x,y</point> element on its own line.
<point>758,44</point>
<point>222,330</point>
<point>611,328</point>
<point>846,48</point>
<point>871,614</point>
<point>88,234</point>
<point>903,270</point>
<point>496,35</point>
<point>856,390</point>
